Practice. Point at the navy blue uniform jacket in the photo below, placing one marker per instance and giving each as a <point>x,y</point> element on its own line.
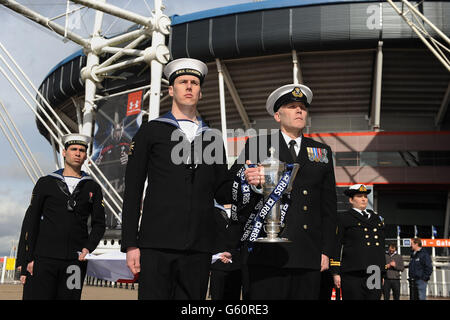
<point>311,218</point>
<point>50,230</point>
<point>420,266</point>
<point>178,207</point>
<point>360,243</point>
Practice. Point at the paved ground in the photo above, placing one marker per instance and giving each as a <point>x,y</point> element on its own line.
<point>14,292</point>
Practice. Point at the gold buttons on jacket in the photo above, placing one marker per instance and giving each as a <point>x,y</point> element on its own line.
<point>375,236</point>
<point>305,226</point>
<point>367,236</point>
<point>377,244</point>
<point>305,192</point>
<point>374,229</point>
<point>368,243</point>
<point>305,208</point>
<point>365,229</point>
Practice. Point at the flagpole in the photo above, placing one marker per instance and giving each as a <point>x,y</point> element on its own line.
<point>398,241</point>
<point>433,255</point>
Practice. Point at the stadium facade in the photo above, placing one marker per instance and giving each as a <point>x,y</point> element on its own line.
<point>380,96</point>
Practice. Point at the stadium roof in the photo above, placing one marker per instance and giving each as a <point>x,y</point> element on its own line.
<point>336,52</point>
<point>255,6</point>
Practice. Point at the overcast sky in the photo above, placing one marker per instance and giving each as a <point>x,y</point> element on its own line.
<point>37,51</point>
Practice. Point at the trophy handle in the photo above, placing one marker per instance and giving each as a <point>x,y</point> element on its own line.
<point>254,188</point>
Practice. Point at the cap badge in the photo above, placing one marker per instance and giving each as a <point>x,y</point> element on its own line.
<point>362,188</point>
<point>297,92</point>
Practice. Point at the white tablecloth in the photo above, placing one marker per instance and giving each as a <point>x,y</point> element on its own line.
<point>108,266</point>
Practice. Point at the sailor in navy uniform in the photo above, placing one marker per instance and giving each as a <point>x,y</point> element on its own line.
<point>54,236</point>
<point>359,263</point>
<point>293,270</point>
<point>172,248</point>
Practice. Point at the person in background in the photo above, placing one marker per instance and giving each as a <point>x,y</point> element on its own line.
<point>394,267</point>
<point>420,269</point>
<point>226,280</point>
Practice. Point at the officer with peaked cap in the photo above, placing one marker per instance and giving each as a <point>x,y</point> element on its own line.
<point>292,270</point>
<point>359,263</point>
<point>171,249</point>
<point>54,235</point>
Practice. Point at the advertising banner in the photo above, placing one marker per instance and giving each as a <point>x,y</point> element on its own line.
<point>117,121</point>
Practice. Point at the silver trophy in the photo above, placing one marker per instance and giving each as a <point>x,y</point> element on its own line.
<point>273,170</point>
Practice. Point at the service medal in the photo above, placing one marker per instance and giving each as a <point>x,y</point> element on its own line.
<point>310,154</point>
<point>316,155</point>
<point>325,158</point>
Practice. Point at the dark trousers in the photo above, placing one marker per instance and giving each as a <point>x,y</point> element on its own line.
<point>225,285</point>
<point>273,283</point>
<point>354,287</point>
<point>326,285</point>
<point>245,278</point>
<point>394,285</point>
<point>55,279</point>
<point>173,275</point>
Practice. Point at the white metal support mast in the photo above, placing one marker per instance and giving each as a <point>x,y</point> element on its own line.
<point>156,27</point>
<point>223,113</point>
<point>235,96</point>
<point>418,22</point>
<point>297,76</point>
<point>158,43</point>
<point>376,89</point>
<point>156,56</point>
<point>90,83</point>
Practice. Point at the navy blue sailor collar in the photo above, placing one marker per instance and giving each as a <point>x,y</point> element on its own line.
<point>58,174</point>
<point>169,118</point>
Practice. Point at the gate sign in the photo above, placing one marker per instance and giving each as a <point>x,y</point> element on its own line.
<point>436,243</point>
<point>406,243</point>
<point>134,103</point>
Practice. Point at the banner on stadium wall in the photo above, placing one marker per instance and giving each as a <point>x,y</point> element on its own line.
<point>134,103</point>
<point>441,243</point>
<point>117,121</point>
<point>438,243</point>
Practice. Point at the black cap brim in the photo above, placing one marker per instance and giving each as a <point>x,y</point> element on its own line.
<point>351,192</point>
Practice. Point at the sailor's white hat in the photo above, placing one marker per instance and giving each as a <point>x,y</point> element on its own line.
<point>288,93</point>
<point>76,138</point>
<point>184,66</point>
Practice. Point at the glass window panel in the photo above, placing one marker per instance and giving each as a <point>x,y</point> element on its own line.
<point>346,159</point>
